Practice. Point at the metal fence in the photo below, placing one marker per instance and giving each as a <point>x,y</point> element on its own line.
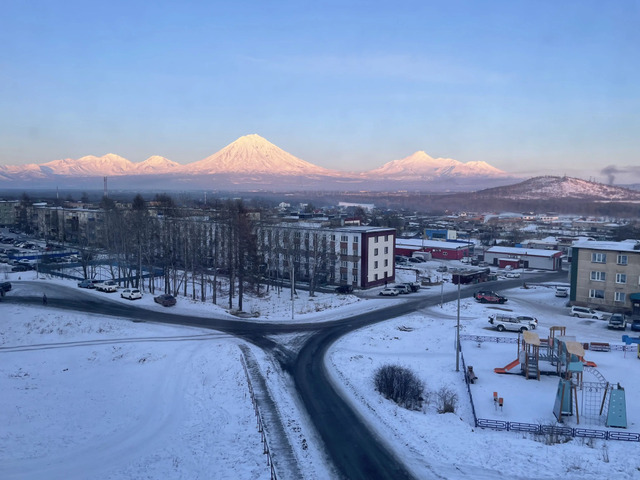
<point>265,442</point>
<point>620,347</point>
<point>538,429</point>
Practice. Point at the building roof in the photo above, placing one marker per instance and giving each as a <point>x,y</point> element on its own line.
<point>624,246</point>
<point>417,243</point>
<point>531,252</point>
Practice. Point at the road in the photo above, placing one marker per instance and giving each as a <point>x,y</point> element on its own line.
<point>356,452</point>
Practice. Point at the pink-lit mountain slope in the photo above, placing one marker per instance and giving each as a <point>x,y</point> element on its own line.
<point>550,187</point>
<point>253,155</point>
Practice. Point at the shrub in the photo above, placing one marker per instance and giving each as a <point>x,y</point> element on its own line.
<point>447,400</point>
<point>400,385</point>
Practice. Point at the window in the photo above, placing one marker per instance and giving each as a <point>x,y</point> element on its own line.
<point>621,278</point>
<point>386,238</point>
<point>620,297</point>
<point>599,258</point>
<point>355,239</point>
<point>344,238</point>
<point>355,278</point>
<point>375,239</point>
<point>375,252</point>
<point>596,293</point>
<point>343,277</point>
<point>622,260</point>
<point>375,277</point>
<point>333,238</point>
<point>386,250</point>
<point>355,264</point>
<point>386,263</point>
<point>598,276</point>
<point>375,264</point>
<point>343,251</point>
<point>344,264</point>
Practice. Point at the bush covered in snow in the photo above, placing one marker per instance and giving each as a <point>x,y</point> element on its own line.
<point>400,385</point>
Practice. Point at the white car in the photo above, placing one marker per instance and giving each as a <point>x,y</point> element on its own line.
<point>584,312</point>
<point>108,286</point>
<point>518,323</point>
<point>512,275</point>
<point>131,293</point>
<point>390,292</point>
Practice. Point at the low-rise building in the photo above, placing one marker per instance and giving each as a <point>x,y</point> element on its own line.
<point>524,258</point>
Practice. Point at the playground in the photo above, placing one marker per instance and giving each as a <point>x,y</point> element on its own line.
<point>531,374</point>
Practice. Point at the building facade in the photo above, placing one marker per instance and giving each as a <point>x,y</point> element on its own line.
<point>358,256</point>
<point>606,275</point>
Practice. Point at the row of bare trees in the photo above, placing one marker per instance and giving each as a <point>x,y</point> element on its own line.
<point>190,249</point>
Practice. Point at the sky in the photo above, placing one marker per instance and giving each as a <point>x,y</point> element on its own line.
<point>531,87</point>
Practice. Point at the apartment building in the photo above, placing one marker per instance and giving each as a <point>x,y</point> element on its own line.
<point>606,275</point>
<point>358,256</point>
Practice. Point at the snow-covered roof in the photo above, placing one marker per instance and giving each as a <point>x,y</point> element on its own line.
<point>624,246</point>
<point>418,243</point>
<point>532,252</point>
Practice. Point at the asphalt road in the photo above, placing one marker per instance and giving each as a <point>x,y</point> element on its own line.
<point>356,452</point>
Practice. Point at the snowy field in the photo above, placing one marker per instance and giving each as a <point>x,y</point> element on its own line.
<point>80,394</point>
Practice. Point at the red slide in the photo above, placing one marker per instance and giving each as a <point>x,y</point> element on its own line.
<point>508,367</point>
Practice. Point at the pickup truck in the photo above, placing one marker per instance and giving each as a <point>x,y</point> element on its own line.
<point>108,286</point>
<point>512,323</point>
<point>484,296</point>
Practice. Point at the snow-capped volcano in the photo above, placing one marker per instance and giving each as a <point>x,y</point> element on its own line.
<point>90,165</point>
<point>156,165</point>
<point>251,155</point>
<point>421,166</point>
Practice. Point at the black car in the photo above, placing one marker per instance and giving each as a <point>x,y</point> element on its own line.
<point>344,289</point>
<point>635,325</point>
<point>21,268</point>
<point>165,300</point>
<point>5,286</point>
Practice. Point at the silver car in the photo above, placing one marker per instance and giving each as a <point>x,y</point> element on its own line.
<point>131,293</point>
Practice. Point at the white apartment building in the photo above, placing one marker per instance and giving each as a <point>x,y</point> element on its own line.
<point>358,256</point>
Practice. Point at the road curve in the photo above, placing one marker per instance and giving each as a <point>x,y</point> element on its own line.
<point>355,451</point>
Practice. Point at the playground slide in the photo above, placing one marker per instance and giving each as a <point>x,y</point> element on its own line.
<point>508,367</point>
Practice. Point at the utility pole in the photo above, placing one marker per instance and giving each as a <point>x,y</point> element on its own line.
<point>458,331</point>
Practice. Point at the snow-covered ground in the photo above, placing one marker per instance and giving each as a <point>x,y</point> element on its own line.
<point>96,397</point>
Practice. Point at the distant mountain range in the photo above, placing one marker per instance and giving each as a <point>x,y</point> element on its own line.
<point>251,162</point>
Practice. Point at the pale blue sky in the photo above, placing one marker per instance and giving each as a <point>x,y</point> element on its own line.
<point>532,87</point>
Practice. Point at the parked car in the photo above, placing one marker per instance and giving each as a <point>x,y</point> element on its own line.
<point>442,268</point>
<point>401,288</point>
<point>485,296</point>
<point>617,322</point>
<point>390,292</point>
<point>86,283</point>
<point>512,275</point>
<point>635,325</point>
<point>562,292</point>
<point>165,300</point>
<point>5,286</point>
<point>519,323</point>
<point>584,312</point>
<point>131,293</point>
<point>108,286</point>
<point>344,289</point>
<point>21,268</point>
<point>413,286</point>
